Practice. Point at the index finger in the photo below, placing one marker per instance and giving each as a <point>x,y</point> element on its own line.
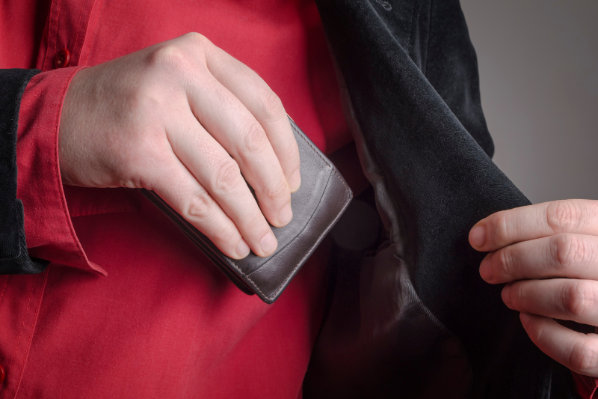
<point>535,221</point>
<point>265,106</point>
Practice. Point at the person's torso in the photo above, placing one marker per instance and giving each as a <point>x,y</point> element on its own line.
<point>164,322</point>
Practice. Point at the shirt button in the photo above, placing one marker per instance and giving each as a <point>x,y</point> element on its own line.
<point>62,59</point>
<point>2,375</point>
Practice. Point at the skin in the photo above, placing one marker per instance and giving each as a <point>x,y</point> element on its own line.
<point>547,255</point>
<point>166,118</point>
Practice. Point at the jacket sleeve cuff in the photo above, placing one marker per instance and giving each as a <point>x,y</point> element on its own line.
<point>14,258</point>
<point>49,231</point>
<point>585,386</point>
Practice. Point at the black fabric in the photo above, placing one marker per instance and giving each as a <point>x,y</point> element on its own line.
<point>14,258</point>
<point>411,76</point>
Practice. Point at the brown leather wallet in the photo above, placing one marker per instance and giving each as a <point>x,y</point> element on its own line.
<point>317,205</point>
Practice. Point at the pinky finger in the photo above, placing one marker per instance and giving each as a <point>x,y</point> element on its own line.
<point>184,194</point>
<point>574,350</point>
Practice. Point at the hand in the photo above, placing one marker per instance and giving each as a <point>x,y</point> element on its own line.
<point>166,118</point>
<point>548,256</point>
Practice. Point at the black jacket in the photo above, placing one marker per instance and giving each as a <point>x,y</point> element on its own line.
<point>413,319</point>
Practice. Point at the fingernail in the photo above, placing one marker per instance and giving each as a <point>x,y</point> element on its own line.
<point>295,181</point>
<point>242,249</point>
<point>285,215</point>
<point>506,295</point>
<point>269,244</point>
<point>525,318</point>
<point>477,236</point>
<point>486,269</point>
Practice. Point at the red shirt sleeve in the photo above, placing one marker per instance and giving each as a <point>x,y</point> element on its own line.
<point>48,228</point>
<point>585,386</point>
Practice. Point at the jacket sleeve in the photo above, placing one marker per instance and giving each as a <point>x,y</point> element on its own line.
<point>14,257</point>
<point>38,225</point>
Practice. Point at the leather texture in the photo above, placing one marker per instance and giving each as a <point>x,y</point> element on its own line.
<point>317,205</point>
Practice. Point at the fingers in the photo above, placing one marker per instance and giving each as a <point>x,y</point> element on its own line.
<point>219,174</point>
<point>564,299</point>
<point>243,137</point>
<point>265,106</point>
<point>577,351</point>
<point>548,254</point>
<point>535,221</point>
<point>205,122</point>
<point>173,183</point>
<point>561,255</point>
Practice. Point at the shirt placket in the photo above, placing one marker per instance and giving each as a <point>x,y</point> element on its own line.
<point>67,30</point>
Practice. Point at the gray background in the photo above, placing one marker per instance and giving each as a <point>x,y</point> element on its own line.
<point>538,63</point>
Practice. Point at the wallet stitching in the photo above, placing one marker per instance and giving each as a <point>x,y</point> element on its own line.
<point>347,196</point>
<point>281,286</point>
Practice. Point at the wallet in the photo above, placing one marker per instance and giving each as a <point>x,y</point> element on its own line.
<point>317,205</point>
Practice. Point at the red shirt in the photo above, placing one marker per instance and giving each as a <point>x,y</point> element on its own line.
<point>129,308</point>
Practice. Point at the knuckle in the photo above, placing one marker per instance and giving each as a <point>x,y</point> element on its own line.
<point>198,44</point>
<point>223,236</point>
<point>583,358</point>
<point>536,331</point>
<point>563,216</point>
<point>505,261</point>
<point>254,139</point>
<point>520,294</point>
<point>196,38</point>
<point>272,108</point>
<point>227,177</point>
<point>578,299</point>
<point>171,56</point>
<point>200,206</point>
<point>501,228</point>
<point>567,250</point>
<point>290,153</point>
<point>277,192</point>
